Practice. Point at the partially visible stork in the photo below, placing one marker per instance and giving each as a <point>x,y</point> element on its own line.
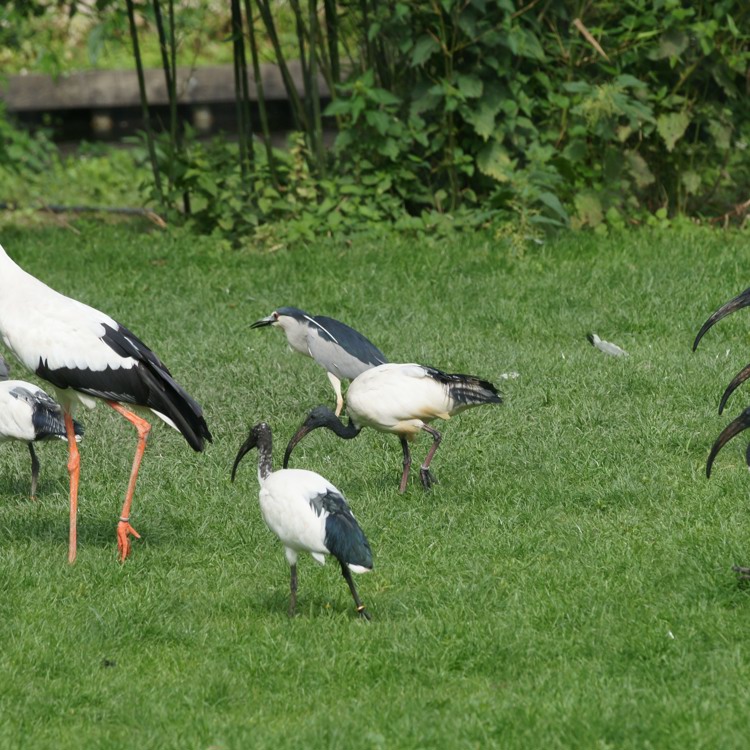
<point>340,350</point>
<point>403,399</point>
<point>308,514</point>
<point>29,415</point>
<point>86,355</point>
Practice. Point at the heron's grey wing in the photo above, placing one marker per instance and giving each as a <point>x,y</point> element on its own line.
<point>342,350</point>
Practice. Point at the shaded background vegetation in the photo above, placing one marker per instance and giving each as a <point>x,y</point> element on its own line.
<point>449,113</point>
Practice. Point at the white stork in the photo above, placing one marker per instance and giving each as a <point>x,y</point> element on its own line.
<point>28,414</point>
<point>308,514</point>
<point>401,398</point>
<point>86,355</point>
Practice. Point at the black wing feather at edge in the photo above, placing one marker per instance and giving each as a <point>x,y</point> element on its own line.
<point>149,383</point>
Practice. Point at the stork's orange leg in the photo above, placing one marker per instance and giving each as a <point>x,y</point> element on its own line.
<point>74,464</point>
<point>124,529</point>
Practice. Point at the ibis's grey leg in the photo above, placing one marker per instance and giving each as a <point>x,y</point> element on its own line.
<point>424,472</point>
<point>293,591</point>
<point>407,465</point>
<point>357,601</point>
<point>34,470</point>
<point>336,383</point>
<point>743,573</point>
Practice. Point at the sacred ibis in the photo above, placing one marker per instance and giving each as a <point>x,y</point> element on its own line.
<point>86,355</point>
<point>737,303</point>
<point>308,514</point>
<point>340,350</point>
<point>29,415</point>
<point>401,398</point>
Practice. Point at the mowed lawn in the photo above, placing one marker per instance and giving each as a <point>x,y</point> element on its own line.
<point>567,584</point>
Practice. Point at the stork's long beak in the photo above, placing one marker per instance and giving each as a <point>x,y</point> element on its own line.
<point>737,381</point>
<point>740,301</point>
<point>293,442</point>
<point>246,447</point>
<point>733,428</point>
<point>263,322</point>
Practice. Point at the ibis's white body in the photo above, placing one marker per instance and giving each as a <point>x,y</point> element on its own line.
<point>17,413</point>
<point>286,505</point>
<point>398,398</point>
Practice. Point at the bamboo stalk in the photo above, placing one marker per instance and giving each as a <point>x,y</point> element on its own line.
<point>262,110</point>
<point>314,93</point>
<point>241,125</point>
<point>144,101</point>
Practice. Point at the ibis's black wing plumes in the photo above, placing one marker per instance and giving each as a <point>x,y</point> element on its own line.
<point>466,390</point>
<point>740,301</point>
<point>737,381</point>
<point>148,383</point>
<point>731,430</point>
<point>46,414</point>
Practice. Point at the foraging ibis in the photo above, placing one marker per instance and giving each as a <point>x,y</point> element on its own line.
<point>736,303</point>
<point>28,414</point>
<point>403,399</point>
<point>86,355</point>
<point>308,514</point>
<point>340,350</point>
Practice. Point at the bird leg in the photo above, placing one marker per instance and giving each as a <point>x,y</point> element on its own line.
<point>357,601</point>
<point>34,471</point>
<point>336,383</point>
<point>74,469</point>
<point>407,464</point>
<point>424,472</point>
<point>124,529</point>
<point>293,591</point>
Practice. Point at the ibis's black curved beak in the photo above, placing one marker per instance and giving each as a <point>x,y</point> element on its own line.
<point>263,322</point>
<point>246,447</point>
<point>303,430</point>
<point>733,428</point>
<point>740,301</point>
<point>737,381</point>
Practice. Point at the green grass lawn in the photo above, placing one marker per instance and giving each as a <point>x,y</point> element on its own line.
<point>567,584</point>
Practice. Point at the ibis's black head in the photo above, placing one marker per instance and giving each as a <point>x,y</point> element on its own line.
<point>733,428</point>
<point>321,416</point>
<point>740,301</point>
<point>289,312</point>
<point>260,437</point>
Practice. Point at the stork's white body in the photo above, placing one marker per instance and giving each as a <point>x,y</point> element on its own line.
<point>286,502</point>
<point>38,323</point>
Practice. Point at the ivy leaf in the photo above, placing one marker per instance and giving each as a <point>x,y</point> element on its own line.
<point>638,167</point>
<point>553,202</point>
<point>691,181</point>
<point>493,160</point>
<point>672,127</point>
<point>672,43</point>
<point>722,134</point>
<point>470,86</point>
<point>589,209</point>
<point>425,47</point>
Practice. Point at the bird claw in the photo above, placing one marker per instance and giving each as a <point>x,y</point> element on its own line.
<point>427,477</point>
<point>743,573</point>
<point>124,529</point>
<point>364,614</point>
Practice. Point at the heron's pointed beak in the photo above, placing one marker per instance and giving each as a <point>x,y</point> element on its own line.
<point>293,442</point>
<point>740,301</point>
<point>246,447</point>
<point>733,428</point>
<point>263,322</point>
<point>737,381</point>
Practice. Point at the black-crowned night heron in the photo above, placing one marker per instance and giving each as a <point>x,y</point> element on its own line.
<point>308,514</point>
<point>401,398</point>
<point>86,355</point>
<point>28,414</point>
<point>340,350</point>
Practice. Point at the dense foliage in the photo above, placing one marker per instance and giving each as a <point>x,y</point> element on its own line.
<point>459,112</point>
